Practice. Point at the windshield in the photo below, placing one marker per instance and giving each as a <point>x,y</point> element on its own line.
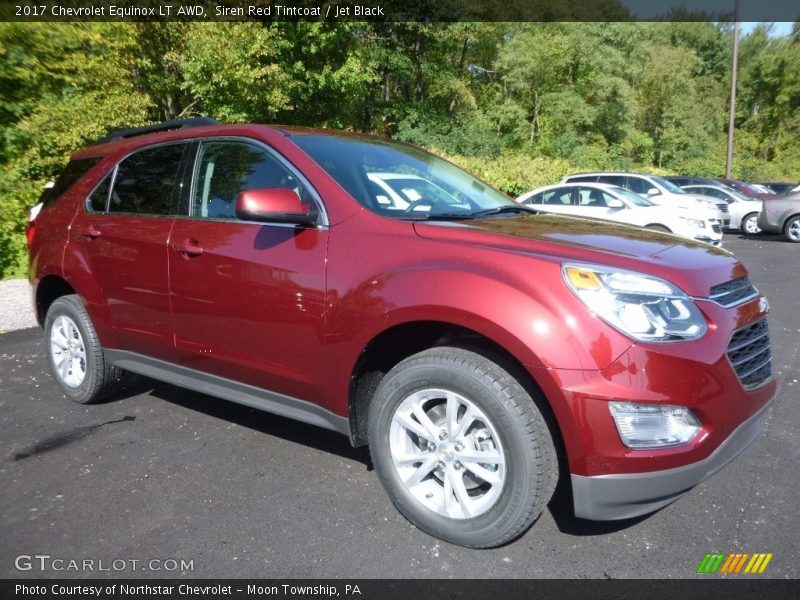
<point>631,197</point>
<point>668,185</point>
<point>752,189</point>
<point>401,181</point>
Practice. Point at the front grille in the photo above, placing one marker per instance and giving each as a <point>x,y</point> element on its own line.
<point>716,228</point>
<point>750,354</point>
<point>733,292</point>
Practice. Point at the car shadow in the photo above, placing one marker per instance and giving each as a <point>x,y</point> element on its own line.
<point>762,237</point>
<point>261,421</point>
<point>560,506</point>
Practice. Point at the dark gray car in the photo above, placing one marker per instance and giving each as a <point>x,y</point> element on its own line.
<point>782,215</point>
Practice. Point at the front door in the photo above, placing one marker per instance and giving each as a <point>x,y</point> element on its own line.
<point>248,299</point>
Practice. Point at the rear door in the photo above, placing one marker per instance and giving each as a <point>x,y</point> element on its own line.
<point>123,235</point>
<point>248,299</point>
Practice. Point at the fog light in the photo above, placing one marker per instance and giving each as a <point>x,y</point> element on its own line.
<point>643,426</point>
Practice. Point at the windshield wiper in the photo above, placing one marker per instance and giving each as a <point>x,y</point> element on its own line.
<point>499,210</point>
<point>425,216</point>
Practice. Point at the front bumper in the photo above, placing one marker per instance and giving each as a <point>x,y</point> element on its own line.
<point>628,495</point>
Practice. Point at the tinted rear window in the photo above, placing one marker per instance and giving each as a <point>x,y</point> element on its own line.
<point>145,181</point>
<point>74,170</point>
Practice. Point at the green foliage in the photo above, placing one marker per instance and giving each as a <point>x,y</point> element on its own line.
<point>515,173</point>
<point>520,104</point>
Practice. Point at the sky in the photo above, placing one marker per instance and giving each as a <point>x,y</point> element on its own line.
<point>778,29</point>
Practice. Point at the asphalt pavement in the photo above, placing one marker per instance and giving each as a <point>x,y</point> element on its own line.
<point>166,474</point>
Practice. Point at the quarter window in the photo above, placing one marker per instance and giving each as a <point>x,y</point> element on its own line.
<point>225,169</point>
<point>75,169</point>
<point>145,182</point>
<point>535,199</point>
<point>98,201</point>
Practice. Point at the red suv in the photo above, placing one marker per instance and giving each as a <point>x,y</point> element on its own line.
<point>368,287</point>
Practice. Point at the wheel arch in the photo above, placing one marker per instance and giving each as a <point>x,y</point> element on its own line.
<point>49,289</point>
<point>395,343</point>
<point>785,222</point>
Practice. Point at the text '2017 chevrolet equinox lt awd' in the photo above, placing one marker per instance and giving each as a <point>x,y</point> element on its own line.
<point>369,287</point>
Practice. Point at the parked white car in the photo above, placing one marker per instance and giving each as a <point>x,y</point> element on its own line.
<point>656,189</point>
<point>613,203</point>
<point>403,191</point>
<point>743,209</point>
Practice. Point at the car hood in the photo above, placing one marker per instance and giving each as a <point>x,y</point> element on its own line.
<point>693,266</point>
<point>710,199</point>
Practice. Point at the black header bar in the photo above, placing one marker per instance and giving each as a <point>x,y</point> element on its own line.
<point>397,10</point>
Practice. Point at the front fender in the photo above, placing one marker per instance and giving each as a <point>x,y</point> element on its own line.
<point>537,321</point>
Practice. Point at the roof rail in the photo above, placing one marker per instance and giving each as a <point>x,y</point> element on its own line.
<point>165,126</point>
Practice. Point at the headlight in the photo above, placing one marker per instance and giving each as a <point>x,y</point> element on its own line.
<point>645,308</point>
<point>644,426</point>
<point>697,223</point>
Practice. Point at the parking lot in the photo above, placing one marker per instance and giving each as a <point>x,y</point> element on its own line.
<point>168,474</point>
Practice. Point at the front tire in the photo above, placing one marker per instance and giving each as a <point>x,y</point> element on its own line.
<point>792,229</point>
<point>750,224</point>
<point>75,355</point>
<point>461,448</point>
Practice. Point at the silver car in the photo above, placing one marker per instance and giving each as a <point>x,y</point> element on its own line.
<point>782,215</point>
<point>743,210</point>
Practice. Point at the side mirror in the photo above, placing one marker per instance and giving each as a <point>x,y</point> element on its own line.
<point>652,192</point>
<point>615,203</point>
<point>274,205</point>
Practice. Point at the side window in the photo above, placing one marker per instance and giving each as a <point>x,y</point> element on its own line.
<point>638,185</point>
<point>558,197</point>
<point>225,169</point>
<point>714,193</point>
<point>591,197</point>
<point>582,179</point>
<point>145,181</point>
<point>98,200</point>
<point>612,180</point>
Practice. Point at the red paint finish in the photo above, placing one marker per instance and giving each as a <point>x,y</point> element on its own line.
<point>127,256</point>
<point>251,307</point>
<point>291,309</point>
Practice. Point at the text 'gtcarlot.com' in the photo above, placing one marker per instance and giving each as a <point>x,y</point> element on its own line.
<point>45,562</point>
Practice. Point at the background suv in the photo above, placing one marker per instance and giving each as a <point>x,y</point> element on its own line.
<point>480,348</point>
<point>782,215</point>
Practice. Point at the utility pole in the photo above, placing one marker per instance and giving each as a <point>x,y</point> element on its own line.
<point>734,69</point>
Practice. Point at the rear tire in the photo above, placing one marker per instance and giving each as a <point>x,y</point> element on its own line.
<point>792,229</point>
<point>461,448</point>
<point>750,224</point>
<point>75,355</point>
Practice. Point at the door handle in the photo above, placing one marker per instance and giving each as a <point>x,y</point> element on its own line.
<point>188,247</point>
<point>91,233</point>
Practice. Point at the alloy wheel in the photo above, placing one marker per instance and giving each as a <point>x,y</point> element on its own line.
<point>447,453</point>
<point>68,351</point>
